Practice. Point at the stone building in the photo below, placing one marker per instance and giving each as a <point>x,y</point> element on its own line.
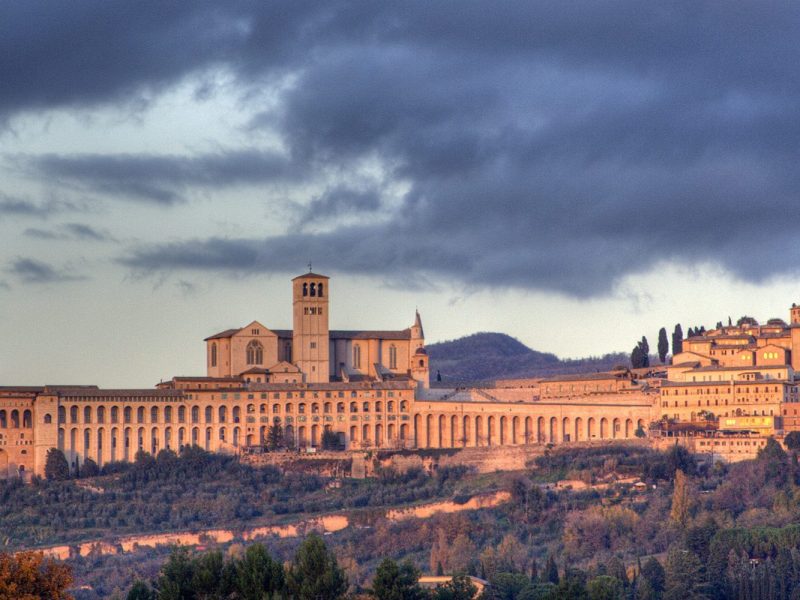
<point>371,389</point>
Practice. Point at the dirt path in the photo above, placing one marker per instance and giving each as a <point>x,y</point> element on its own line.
<point>328,523</point>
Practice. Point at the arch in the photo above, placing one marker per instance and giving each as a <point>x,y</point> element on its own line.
<point>222,434</point>
<point>140,438</point>
<point>208,438</point>
<point>209,416</point>
<point>640,425</point>
<point>378,435</point>
<point>465,437</point>
<point>140,414</point>
<point>62,415</point>
<point>565,432</point>
<point>417,430</point>
<point>126,444</point>
<point>99,457</point>
<point>403,434</point>
<point>390,435</point>
<point>15,419</point>
<point>603,428</point>
<point>315,435</point>
<point>327,408</point>
<point>87,414</point>
<point>315,408</point>
<point>320,289</point>
<point>154,440</point>
<point>312,290</point>
<point>115,414</point>
<point>528,430</point>
<point>262,409</point>
<point>353,434</point>
<point>479,439</point>
<point>237,414</point>
<point>453,442</point>
<point>628,428</point>
<point>154,414</point>
<point>590,429</point>
<point>365,437</point>
<point>365,407</point>
<point>255,353</point>
<point>195,414</point>
<point>223,414</point>
<point>27,419</point>
<point>503,436</point>
<point>441,433</point>
<point>393,357</point>
<point>114,433</point>
<point>101,414</point>
<point>196,436</point>
<point>168,414</point>
<point>61,439</point>
<point>305,289</point>
<point>87,443</point>
<point>379,406</point>
<point>127,414</point>
<point>213,354</point>
<point>428,431</point>
<point>356,356</point>
<point>553,430</point>
<point>515,430</point>
<point>181,437</point>
<point>340,408</point>
<point>181,414</point>
<point>616,430</point>
<point>3,420</point>
<point>578,429</point>
<point>73,444</point>
<point>353,407</point>
<point>236,434</point>
<point>540,435</point>
<point>73,414</point>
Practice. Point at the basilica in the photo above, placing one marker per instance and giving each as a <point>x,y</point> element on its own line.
<point>725,393</point>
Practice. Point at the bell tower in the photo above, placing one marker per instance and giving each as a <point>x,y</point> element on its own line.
<point>794,324</point>
<point>310,345</point>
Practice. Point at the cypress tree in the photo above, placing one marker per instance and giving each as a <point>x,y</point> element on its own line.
<point>677,340</point>
<point>56,467</point>
<point>663,345</point>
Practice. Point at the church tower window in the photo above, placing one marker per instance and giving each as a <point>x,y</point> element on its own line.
<point>255,353</point>
<point>313,292</point>
<point>392,356</point>
<point>319,290</point>
<point>356,357</point>
<point>214,354</point>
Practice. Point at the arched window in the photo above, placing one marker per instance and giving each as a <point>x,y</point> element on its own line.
<point>101,414</point>
<point>356,357</point>
<point>287,352</point>
<point>209,414</point>
<point>114,414</point>
<point>48,419</point>
<point>126,414</point>
<point>378,406</point>
<point>287,408</point>
<point>3,421</point>
<point>223,414</point>
<point>353,407</point>
<point>236,414</point>
<point>62,414</point>
<point>87,414</point>
<point>392,356</point>
<point>255,353</point>
<point>313,291</point>
<point>140,414</point>
<point>301,408</point>
<point>154,414</point>
<point>319,290</point>
<point>365,407</point>
<point>214,354</point>
<point>262,409</point>
<point>340,407</point>
<point>181,414</point>
<point>305,289</point>
<point>390,406</point>
<point>315,408</point>
<point>195,414</point>
<point>73,414</point>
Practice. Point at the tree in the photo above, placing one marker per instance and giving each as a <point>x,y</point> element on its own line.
<point>683,575</point>
<point>56,467</point>
<point>677,340</point>
<point>645,351</point>
<point>29,576</point>
<point>314,573</point>
<point>275,436</point>
<point>637,358</point>
<point>679,513</point>
<point>792,440</point>
<point>330,440</point>
<point>175,580</point>
<point>551,570</point>
<point>258,574</point>
<point>663,345</point>
<point>776,462</point>
<point>654,578</point>
<point>460,587</point>
<point>90,468</point>
<point>396,582</point>
<point>604,587</point>
<point>140,591</point>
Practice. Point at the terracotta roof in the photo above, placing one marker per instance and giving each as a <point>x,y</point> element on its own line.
<point>203,378</point>
<point>311,276</point>
<point>223,334</point>
<point>138,393</point>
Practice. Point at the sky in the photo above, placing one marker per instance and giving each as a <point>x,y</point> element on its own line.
<point>574,174</point>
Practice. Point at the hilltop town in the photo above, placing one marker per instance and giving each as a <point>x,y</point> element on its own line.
<point>724,393</point>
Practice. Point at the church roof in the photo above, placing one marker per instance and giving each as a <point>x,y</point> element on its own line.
<point>223,334</point>
<point>311,276</point>
<point>334,334</point>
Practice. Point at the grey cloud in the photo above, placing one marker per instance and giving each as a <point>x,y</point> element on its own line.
<point>22,207</point>
<point>339,201</point>
<point>158,179</point>
<point>70,231</point>
<point>544,145</point>
<point>4,286</point>
<point>29,270</point>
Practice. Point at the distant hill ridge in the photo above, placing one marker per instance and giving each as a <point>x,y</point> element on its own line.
<point>488,356</point>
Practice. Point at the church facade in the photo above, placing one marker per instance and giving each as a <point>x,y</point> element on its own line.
<point>371,389</point>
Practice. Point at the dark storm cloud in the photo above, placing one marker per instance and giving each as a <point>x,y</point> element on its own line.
<point>555,145</point>
<point>340,201</point>
<point>22,207</point>
<point>159,179</point>
<point>29,270</point>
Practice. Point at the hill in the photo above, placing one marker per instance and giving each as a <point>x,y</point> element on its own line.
<point>488,356</point>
